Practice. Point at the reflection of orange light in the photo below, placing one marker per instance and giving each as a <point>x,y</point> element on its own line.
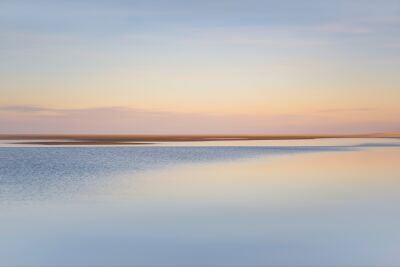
<point>276,180</point>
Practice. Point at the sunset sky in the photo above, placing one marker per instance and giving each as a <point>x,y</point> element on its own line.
<point>215,66</point>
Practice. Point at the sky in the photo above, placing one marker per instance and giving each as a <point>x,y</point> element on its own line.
<point>209,66</point>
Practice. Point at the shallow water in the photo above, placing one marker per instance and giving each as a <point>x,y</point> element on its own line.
<point>302,203</point>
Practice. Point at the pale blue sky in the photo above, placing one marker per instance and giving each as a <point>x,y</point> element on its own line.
<point>263,59</point>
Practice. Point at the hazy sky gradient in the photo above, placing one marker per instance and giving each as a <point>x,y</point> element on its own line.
<point>199,66</point>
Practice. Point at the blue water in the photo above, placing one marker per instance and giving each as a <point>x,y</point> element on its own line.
<point>200,206</point>
<point>29,172</point>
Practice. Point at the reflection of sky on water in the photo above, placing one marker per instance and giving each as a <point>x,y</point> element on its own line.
<point>234,207</point>
<point>38,172</point>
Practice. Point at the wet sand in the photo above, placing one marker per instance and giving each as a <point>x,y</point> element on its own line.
<point>83,139</point>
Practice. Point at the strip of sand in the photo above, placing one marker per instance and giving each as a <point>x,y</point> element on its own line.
<point>89,139</point>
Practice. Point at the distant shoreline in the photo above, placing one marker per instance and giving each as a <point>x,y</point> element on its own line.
<point>92,139</point>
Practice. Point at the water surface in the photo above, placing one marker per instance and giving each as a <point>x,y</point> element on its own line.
<point>302,203</point>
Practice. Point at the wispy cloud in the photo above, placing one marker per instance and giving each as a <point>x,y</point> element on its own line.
<point>346,110</point>
<point>343,28</point>
<point>37,119</point>
<point>307,35</point>
<point>24,108</point>
<point>47,111</point>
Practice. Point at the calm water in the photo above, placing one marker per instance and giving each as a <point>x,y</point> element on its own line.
<point>238,203</point>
